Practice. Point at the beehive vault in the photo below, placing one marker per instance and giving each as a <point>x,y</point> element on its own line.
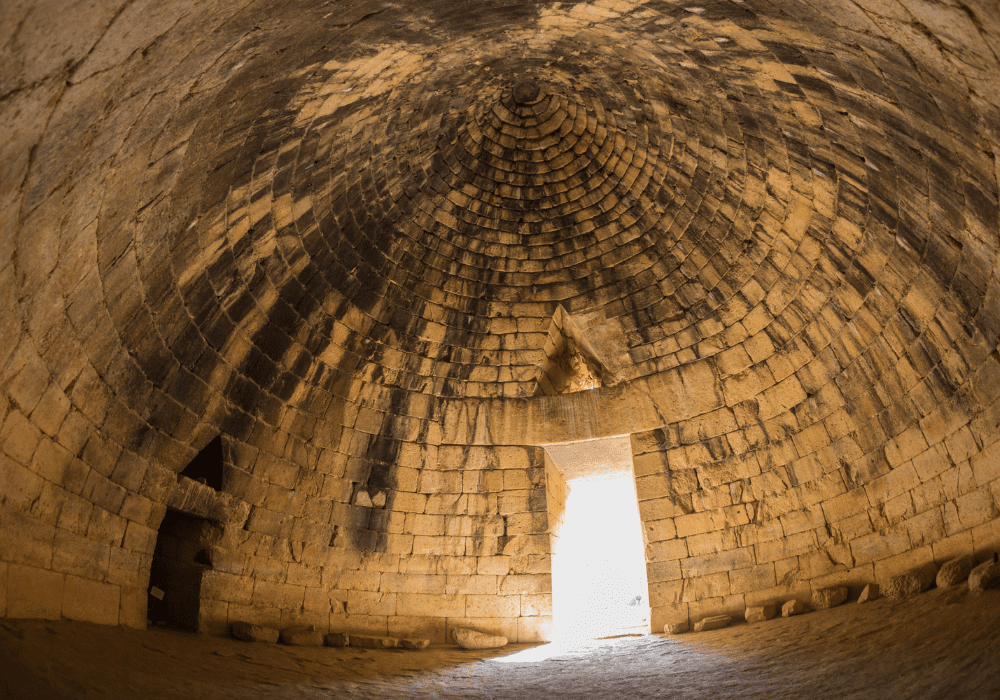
<point>383,254</point>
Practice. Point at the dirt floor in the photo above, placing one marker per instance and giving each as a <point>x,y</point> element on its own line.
<point>942,644</point>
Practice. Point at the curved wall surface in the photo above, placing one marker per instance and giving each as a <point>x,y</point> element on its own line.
<point>386,253</point>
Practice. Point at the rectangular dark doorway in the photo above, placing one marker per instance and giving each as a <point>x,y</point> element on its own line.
<point>182,554</point>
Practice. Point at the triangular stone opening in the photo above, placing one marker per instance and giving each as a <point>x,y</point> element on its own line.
<point>570,364</point>
<point>207,466</point>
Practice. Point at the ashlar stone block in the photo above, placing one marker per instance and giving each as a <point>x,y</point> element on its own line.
<point>91,601</point>
<point>472,639</point>
<point>714,622</point>
<point>909,584</point>
<point>761,613</point>
<point>34,592</point>
<point>132,611</point>
<point>249,632</point>
<point>371,603</point>
<point>422,605</point>
<point>986,575</point>
<point>954,572</point>
<point>494,605</point>
<point>825,598</point>
<point>793,607</point>
<point>302,636</point>
<point>365,641</point>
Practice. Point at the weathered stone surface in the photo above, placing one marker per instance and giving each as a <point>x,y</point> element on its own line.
<point>676,627</point>
<point>760,613</point>
<point>825,598</point>
<point>314,306</point>
<point>302,637</point>
<point>365,641</point>
<point>793,607</point>
<point>715,622</point>
<point>254,633</point>
<point>903,586</point>
<point>337,639</point>
<point>986,575</point>
<point>911,583</point>
<point>954,572</point>
<point>471,639</point>
<point>525,91</point>
<point>415,644</point>
<point>869,593</point>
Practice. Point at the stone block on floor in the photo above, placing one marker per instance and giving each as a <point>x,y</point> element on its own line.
<point>471,639</point>
<point>986,575</point>
<point>414,644</point>
<point>760,613</point>
<point>869,593</point>
<point>911,583</point>
<point>954,572</point>
<point>249,632</point>
<point>337,639</point>
<point>302,637</point>
<point>826,598</point>
<point>715,622</point>
<point>365,641</point>
<point>793,607</point>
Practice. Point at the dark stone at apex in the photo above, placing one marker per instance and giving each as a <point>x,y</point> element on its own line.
<point>525,92</point>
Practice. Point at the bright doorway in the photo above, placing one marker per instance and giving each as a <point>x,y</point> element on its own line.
<point>599,586</point>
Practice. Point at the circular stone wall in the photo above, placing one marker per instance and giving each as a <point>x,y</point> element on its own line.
<point>384,252</point>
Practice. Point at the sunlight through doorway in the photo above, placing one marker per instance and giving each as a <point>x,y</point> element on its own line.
<point>599,584</point>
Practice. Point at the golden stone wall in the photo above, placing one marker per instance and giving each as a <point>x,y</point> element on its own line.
<point>358,242</point>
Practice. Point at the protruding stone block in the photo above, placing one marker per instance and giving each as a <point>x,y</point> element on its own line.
<point>371,642</point>
<point>986,575</point>
<point>760,613</point>
<point>954,572</point>
<point>826,598</point>
<point>254,633</point>
<point>911,583</point>
<point>869,593</point>
<point>471,639</point>
<point>676,627</point>
<point>903,586</point>
<point>793,607</point>
<point>715,622</point>
<point>337,639</point>
<point>302,637</point>
<point>415,644</point>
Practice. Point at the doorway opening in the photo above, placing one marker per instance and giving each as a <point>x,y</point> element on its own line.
<point>599,585</point>
<point>182,554</point>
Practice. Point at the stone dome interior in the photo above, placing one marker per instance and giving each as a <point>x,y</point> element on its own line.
<point>384,254</point>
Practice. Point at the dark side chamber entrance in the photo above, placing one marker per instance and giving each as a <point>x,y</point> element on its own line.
<point>182,554</point>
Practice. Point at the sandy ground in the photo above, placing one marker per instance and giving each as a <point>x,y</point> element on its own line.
<point>943,644</point>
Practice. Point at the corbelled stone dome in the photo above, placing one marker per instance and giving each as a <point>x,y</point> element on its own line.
<point>374,257</point>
